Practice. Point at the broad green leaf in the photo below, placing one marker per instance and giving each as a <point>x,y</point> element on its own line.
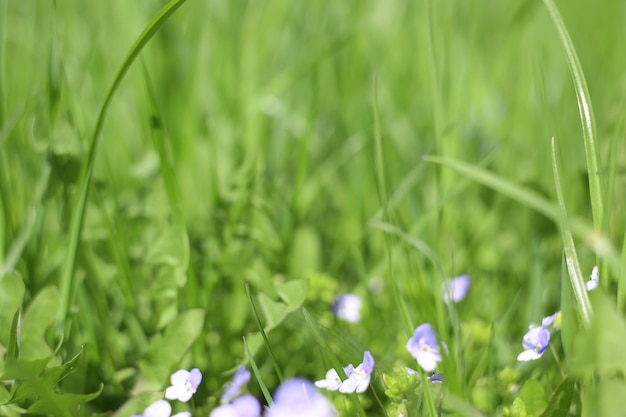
<point>171,248</point>
<point>39,317</point>
<point>293,292</point>
<point>561,400</point>
<point>600,348</point>
<point>11,294</point>
<point>167,349</point>
<point>534,397</point>
<point>274,311</point>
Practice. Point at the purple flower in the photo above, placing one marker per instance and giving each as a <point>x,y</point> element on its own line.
<point>535,342</point>
<point>347,307</point>
<point>234,388</point>
<point>455,289</point>
<point>423,346</point>
<point>161,408</point>
<point>184,384</point>
<point>359,377</point>
<point>244,406</point>
<point>298,397</point>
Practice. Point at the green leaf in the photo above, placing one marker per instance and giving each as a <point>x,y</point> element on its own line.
<point>561,400</point>
<point>5,395</point>
<point>293,292</point>
<point>55,374</point>
<point>167,349</point>
<point>534,397</point>
<point>600,348</point>
<point>33,375</point>
<point>274,311</point>
<point>69,402</point>
<point>39,317</point>
<point>171,248</point>
<point>11,294</point>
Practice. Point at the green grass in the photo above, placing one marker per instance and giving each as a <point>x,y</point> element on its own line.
<point>298,151</point>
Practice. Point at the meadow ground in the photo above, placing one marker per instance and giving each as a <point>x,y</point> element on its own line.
<point>176,176</point>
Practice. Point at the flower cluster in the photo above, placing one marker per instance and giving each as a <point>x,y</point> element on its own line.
<point>294,397</point>
<point>358,379</point>
<point>537,339</point>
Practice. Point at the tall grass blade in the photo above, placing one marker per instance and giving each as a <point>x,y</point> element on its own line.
<point>514,191</point>
<point>263,334</point>
<point>382,196</point>
<point>587,120</point>
<point>596,241</point>
<point>68,282</point>
<point>257,373</point>
<point>571,257</point>
<point>159,135</point>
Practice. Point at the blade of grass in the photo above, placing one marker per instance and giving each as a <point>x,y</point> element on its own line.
<point>571,257</point>
<point>587,120</point>
<point>159,135</point>
<point>595,240</point>
<point>382,196</point>
<point>264,335</point>
<point>68,282</point>
<point>257,374</point>
<point>520,194</point>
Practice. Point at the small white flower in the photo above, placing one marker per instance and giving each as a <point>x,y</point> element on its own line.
<point>332,382</point>
<point>593,283</point>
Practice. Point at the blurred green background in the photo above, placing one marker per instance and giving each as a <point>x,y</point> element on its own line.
<point>265,113</point>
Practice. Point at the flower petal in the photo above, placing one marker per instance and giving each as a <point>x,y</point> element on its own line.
<point>332,382</point>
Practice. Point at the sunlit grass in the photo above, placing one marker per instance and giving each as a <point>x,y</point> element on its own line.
<point>285,153</point>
